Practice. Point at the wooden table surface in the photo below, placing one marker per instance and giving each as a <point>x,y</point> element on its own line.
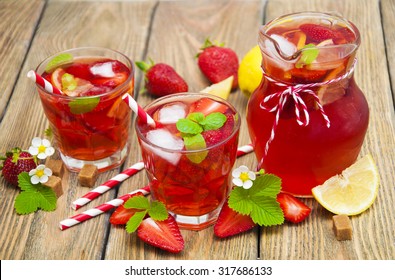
<point>172,32</point>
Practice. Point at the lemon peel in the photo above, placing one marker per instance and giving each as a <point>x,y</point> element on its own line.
<point>250,72</point>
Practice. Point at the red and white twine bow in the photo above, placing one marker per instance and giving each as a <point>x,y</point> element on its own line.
<point>294,92</point>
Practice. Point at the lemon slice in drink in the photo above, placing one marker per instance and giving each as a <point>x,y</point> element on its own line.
<point>353,191</point>
<point>220,89</point>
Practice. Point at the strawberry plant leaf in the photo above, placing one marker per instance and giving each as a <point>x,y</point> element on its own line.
<point>267,185</point>
<point>214,121</point>
<point>239,200</point>
<point>158,211</point>
<point>137,202</point>
<point>82,105</point>
<point>135,221</point>
<point>26,202</point>
<point>46,198</point>
<point>24,182</point>
<point>266,211</point>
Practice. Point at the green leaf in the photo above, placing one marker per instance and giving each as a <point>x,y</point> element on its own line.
<point>214,121</point>
<point>267,185</point>
<point>24,182</point>
<point>135,221</point>
<point>48,132</point>
<point>68,82</point>
<point>26,202</point>
<point>195,142</point>
<point>309,54</point>
<point>266,211</point>
<point>196,117</point>
<point>158,211</point>
<point>57,61</point>
<point>82,105</point>
<point>239,200</point>
<point>137,202</point>
<point>47,198</point>
<point>188,126</point>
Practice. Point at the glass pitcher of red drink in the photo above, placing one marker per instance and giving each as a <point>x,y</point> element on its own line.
<point>308,118</point>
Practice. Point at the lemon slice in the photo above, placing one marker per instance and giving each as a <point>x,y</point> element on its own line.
<point>221,89</point>
<point>250,72</point>
<point>353,191</point>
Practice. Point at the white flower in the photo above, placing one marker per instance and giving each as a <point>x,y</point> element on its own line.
<point>41,148</point>
<point>243,177</point>
<point>40,174</point>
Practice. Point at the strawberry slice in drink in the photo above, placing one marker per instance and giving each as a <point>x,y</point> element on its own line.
<point>162,234</point>
<point>207,106</point>
<point>316,33</point>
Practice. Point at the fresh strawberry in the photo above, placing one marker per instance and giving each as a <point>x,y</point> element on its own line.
<point>294,210</point>
<point>165,234</point>
<point>231,223</point>
<point>316,33</point>
<point>121,215</point>
<point>218,63</point>
<point>212,137</point>
<point>207,106</point>
<point>16,162</point>
<point>161,79</point>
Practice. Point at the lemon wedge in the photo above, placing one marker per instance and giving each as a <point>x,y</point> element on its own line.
<point>353,191</point>
<point>221,89</point>
<point>250,72</point>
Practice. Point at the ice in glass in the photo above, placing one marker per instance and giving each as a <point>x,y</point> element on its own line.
<point>188,169</point>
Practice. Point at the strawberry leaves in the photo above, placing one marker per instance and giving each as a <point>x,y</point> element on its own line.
<point>259,202</point>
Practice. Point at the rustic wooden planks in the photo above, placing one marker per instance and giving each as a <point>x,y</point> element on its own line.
<point>374,229</point>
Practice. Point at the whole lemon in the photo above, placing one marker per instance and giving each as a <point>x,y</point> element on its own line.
<point>250,72</point>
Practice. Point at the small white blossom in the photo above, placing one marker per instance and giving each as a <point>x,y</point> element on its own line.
<point>40,174</point>
<point>243,177</point>
<point>41,148</point>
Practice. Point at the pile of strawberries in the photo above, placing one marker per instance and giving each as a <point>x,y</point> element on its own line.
<point>216,62</point>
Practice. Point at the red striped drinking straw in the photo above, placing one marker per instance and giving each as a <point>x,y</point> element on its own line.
<point>98,210</point>
<point>136,108</point>
<point>114,181</point>
<point>32,75</point>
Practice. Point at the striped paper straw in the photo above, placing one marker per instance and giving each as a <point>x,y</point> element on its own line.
<point>243,150</point>
<point>136,108</point>
<point>32,75</point>
<point>98,210</point>
<point>88,197</point>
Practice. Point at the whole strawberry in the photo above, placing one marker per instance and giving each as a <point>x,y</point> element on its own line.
<point>161,79</point>
<point>15,162</point>
<point>218,63</point>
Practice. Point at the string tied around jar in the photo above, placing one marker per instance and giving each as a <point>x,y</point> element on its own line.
<point>294,92</point>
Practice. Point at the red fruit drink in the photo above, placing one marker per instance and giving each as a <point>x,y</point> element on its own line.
<point>314,67</point>
<point>190,172</point>
<point>89,120</point>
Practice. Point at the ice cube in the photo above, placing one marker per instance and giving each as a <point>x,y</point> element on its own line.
<point>103,70</point>
<point>274,57</point>
<point>172,113</point>
<point>286,46</point>
<point>163,138</point>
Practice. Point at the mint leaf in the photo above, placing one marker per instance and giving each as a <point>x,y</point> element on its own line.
<point>196,117</point>
<point>58,60</point>
<point>82,105</point>
<point>309,54</point>
<point>188,126</point>
<point>137,202</point>
<point>214,121</point>
<point>259,202</point>
<point>135,221</point>
<point>195,142</point>
<point>33,197</point>
<point>158,211</point>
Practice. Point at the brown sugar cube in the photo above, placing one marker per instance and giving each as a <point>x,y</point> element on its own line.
<point>55,183</point>
<point>88,175</point>
<point>56,165</point>
<point>342,227</point>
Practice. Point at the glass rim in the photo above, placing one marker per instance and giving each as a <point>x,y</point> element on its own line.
<point>236,128</point>
<point>108,93</point>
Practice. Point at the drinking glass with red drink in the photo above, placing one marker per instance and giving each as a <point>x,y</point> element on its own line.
<point>308,118</point>
<point>189,155</point>
<point>89,120</point>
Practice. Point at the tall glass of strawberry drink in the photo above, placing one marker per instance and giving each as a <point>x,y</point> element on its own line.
<point>308,118</point>
<point>89,120</point>
<point>189,155</point>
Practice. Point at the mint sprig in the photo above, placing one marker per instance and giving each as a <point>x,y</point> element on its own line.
<point>156,210</point>
<point>33,197</point>
<point>259,202</point>
<point>191,128</point>
<point>309,54</point>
